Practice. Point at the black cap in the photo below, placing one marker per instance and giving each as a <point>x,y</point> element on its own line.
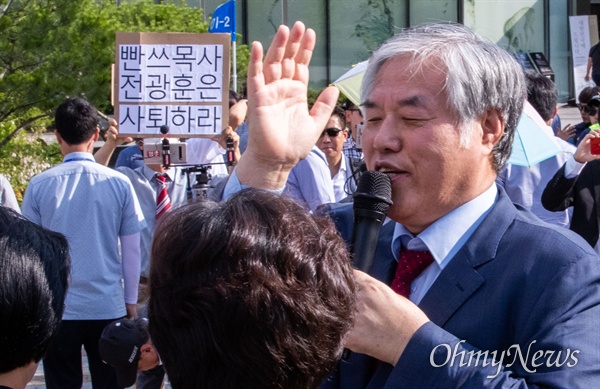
<point>595,101</point>
<point>120,346</point>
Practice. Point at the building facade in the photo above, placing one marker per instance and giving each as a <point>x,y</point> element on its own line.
<point>348,30</point>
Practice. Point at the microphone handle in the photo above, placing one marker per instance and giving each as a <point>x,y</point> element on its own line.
<point>365,235</point>
<point>367,224</point>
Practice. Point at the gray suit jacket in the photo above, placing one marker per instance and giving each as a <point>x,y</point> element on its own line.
<point>517,285</point>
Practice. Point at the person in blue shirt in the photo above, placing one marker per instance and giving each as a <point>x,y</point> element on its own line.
<point>131,156</point>
<point>96,208</point>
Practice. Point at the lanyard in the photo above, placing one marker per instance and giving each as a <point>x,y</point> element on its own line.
<point>78,159</point>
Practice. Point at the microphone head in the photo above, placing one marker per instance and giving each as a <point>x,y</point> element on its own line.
<point>373,192</point>
<point>164,129</point>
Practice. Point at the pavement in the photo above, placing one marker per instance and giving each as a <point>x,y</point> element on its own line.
<point>568,115</point>
<point>37,382</point>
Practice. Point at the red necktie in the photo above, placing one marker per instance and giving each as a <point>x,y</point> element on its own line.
<point>163,202</point>
<point>410,264</point>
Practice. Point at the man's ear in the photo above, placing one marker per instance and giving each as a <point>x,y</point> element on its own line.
<point>58,137</point>
<point>492,125</point>
<point>96,134</point>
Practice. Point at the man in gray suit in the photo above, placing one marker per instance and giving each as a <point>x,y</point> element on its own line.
<point>483,293</point>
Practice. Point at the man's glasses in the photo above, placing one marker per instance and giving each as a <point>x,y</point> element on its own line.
<point>331,132</point>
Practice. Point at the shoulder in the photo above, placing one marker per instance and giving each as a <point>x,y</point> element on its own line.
<point>534,240</point>
<point>513,234</point>
<point>49,174</point>
<point>131,173</point>
<point>111,176</point>
<point>565,146</point>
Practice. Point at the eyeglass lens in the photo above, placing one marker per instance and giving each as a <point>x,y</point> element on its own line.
<point>332,132</point>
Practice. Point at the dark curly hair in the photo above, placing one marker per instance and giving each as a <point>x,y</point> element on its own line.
<point>253,292</point>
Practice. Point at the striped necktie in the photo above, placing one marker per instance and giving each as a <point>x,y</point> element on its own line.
<point>163,202</point>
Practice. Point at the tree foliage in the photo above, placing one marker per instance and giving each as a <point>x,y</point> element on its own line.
<point>54,49</point>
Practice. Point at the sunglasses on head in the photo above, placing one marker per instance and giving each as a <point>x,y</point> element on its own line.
<point>331,132</point>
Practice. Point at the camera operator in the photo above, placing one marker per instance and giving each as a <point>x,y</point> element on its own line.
<point>159,189</point>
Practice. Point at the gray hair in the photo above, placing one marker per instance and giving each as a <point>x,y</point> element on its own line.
<point>479,76</point>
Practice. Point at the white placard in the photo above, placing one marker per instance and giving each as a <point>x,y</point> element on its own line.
<point>178,80</point>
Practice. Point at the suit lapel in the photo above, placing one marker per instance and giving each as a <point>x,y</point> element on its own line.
<point>460,279</point>
<point>384,266</point>
<point>456,283</point>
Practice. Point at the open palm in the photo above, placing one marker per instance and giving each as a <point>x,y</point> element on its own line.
<point>281,128</point>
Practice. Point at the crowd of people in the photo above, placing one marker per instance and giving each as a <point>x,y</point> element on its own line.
<point>477,280</point>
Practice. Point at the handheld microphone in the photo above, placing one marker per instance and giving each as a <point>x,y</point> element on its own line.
<point>372,200</point>
<point>166,147</point>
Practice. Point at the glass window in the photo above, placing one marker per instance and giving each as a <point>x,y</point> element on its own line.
<point>514,25</point>
<point>430,11</point>
<point>559,47</point>
<point>313,14</point>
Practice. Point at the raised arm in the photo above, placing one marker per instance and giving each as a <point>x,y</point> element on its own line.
<point>113,139</point>
<point>281,129</point>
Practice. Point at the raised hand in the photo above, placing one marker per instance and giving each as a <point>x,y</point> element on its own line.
<point>567,132</point>
<point>281,128</point>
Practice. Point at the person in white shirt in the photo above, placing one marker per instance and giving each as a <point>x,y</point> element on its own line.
<point>331,142</point>
<point>524,185</point>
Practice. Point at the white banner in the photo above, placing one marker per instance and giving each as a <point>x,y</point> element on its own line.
<point>580,47</point>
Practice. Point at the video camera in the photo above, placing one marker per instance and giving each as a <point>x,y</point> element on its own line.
<point>169,153</point>
<point>174,152</point>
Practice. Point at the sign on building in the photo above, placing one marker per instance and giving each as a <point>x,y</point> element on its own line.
<point>584,34</point>
<point>175,79</point>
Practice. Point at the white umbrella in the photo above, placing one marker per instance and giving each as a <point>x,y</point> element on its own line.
<point>349,83</point>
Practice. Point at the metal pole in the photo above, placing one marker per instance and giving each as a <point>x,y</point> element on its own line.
<point>234,70</point>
